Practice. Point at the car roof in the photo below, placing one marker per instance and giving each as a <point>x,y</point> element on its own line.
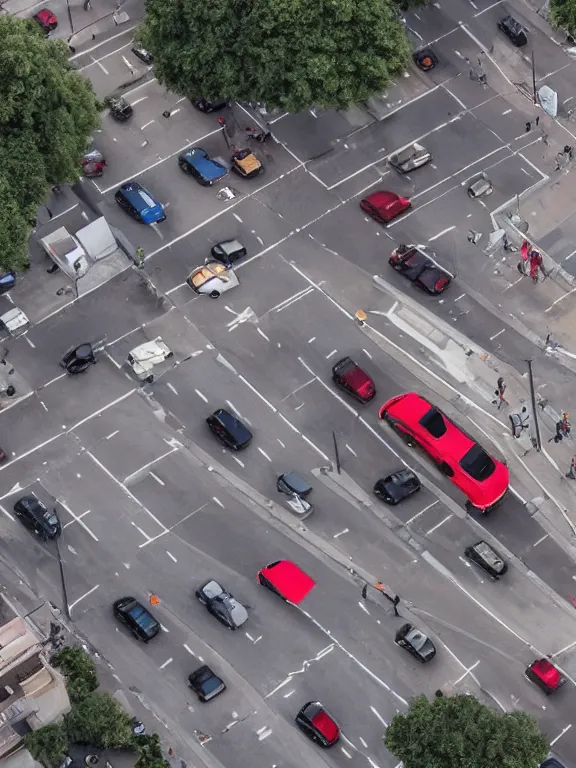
<point>136,194</point>
<point>400,476</point>
<point>290,580</point>
<point>205,165</point>
<point>547,672</point>
<point>324,723</point>
<point>232,424</point>
<point>359,380</point>
<point>382,199</point>
<point>296,482</point>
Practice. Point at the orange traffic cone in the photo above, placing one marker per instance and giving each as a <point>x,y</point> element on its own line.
<point>154,600</point>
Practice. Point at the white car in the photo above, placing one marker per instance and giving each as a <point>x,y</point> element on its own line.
<point>143,358</point>
<point>212,279</point>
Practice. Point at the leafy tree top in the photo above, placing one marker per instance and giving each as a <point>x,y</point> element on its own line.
<point>79,670</point>
<point>287,54</point>
<point>456,731</point>
<point>562,14</point>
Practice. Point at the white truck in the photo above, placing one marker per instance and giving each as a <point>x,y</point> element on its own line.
<point>66,252</point>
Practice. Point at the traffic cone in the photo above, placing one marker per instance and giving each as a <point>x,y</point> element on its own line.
<point>154,600</point>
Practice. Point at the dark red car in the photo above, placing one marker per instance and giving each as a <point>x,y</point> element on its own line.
<point>420,269</point>
<point>483,479</point>
<point>46,19</point>
<point>545,676</point>
<point>385,206</point>
<point>348,375</point>
<point>317,724</point>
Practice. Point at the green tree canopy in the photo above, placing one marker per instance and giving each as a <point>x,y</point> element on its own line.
<point>99,719</point>
<point>48,744</point>
<point>47,114</point>
<point>453,731</point>
<point>150,752</point>
<point>79,669</point>
<point>288,54</point>
<point>562,14</point>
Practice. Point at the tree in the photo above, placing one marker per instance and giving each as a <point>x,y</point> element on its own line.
<point>48,112</point>
<point>99,719</point>
<point>48,744</point>
<point>288,54</point>
<point>562,14</point>
<point>79,669</point>
<point>150,752</point>
<point>453,731</point>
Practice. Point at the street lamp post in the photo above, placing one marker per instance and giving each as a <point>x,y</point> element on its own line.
<point>538,445</point>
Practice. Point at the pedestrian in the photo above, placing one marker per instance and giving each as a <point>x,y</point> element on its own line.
<point>71,49</point>
<point>499,392</point>
<point>93,37</point>
<point>572,471</point>
<point>528,126</point>
<point>395,603</point>
<point>439,694</point>
<point>140,257</point>
<point>364,591</point>
<point>563,428</point>
<point>537,121</point>
<point>536,264</point>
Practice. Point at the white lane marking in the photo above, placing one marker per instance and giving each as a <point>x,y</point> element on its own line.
<point>379,716</point>
<point>237,217</point>
<point>310,443</point>
<point>368,355</point>
<point>312,339</point>
<point>268,403</point>
<point>302,386</point>
<point>164,629</point>
<point>294,299</point>
<point>564,730</point>
<point>563,650</point>
<point>466,673</point>
<point>249,637</point>
<point>434,528</point>
<point>77,519</point>
<point>341,533</point>
<point>237,412</point>
<point>444,232</point>
<point>417,515</point>
<point>363,607</point>
<point>322,383</point>
<point>148,538</point>
<point>352,451</point>
<point>171,387</point>
<point>281,443</point>
<point>289,423</point>
<point>155,477</point>
<point>99,45</point>
<point>30,342</point>
<point>462,296</point>
<point>168,661</point>
<point>82,598</point>
<point>497,334</point>
<point>506,111</point>
<point>190,651</point>
<point>71,522</point>
<point>264,454</point>
<point>261,332</point>
<point>290,693</point>
<point>361,740</point>
<point>139,471</point>
<point>331,354</point>
<point>201,396</point>
<point>237,460</point>
<point>171,556</point>
<point>540,540</point>
<point>112,434</point>
<point>264,733</point>
<point>5,512</point>
<point>217,501</point>
<point>345,752</point>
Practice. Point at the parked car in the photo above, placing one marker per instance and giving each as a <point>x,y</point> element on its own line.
<point>316,723</point>
<point>206,684</point>
<point>142,54</point>
<point>513,30</point>
<point>410,158</point>
<point>545,675</point>
<point>207,106</point>
<point>138,203</point>
<point>46,19</point>
<point>397,486</point>
<point>119,108</point>
<point>385,206</point>
<point>229,430</point>
<point>79,359</point>
<point>137,618</point>
<point>552,762</point>
<point>197,163</point>
<point>483,479</point>
<point>222,605</point>
<point>348,376</point>
<point>415,642</point>
<point>7,282</point>
<point>425,59</point>
<point>480,187</point>
<point>36,516</point>
<point>420,268</point>
<point>213,279</point>
<point>228,252</point>
<point>486,557</point>
<point>287,580</point>
<point>297,490</point>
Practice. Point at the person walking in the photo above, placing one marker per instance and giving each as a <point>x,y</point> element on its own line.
<point>395,603</point>
<point>572,471</point>
<point>499,392</point>
<point>563,429</point>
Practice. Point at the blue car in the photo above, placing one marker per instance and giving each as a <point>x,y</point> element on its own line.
<point>7,282</point>
<point>139,203</point>
<point>198,163</point>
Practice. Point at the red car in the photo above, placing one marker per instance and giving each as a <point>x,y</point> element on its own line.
<point>482,478</point>
<point>286,579</point>
<point>420,269</point>
<point>545,676</point>
<point>318,724</point>
<point>46,19</point>
<point>347,375</point>
<point>385,206</point>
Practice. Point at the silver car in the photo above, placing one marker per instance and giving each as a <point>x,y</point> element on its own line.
<point>222,605</point>
<point>213,279</point>
<point>411,157</point>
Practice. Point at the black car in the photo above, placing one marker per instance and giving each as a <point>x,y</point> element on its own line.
<point>317,724</point>
<point>79,359</point>
<point>7,282</point>
<point>552,762</point>
<point>420,269</point>
<point>397,486</point>
<point>205,684</point>
<point>486,558</point>
<point>222,605</point>
<point>348,376</point>
<point>204,105</point>
<point>296,489</point>
<point>37,517</point>
<point>137,618</point>
<point>229,430</point>
<point>119,108</point>
<point>415,642</point>
<point>142,54</point>
<point>513,30</point>
<point>228,252</point>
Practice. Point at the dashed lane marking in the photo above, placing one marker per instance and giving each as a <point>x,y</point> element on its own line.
<point>168,661</point>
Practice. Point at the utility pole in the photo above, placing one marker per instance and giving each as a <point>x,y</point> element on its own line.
<point>336,453</point>
<point>535,95</point>
<point>538,445</point>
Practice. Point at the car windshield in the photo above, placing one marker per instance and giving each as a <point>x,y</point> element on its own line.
<point>433,422</point>
<point>417,639</point>
<point>477,463</point>
<point>141,616</point>
<point>489,556</point>
<point>210,684</point>
<point>401,477</point>
<point>51,518</point>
